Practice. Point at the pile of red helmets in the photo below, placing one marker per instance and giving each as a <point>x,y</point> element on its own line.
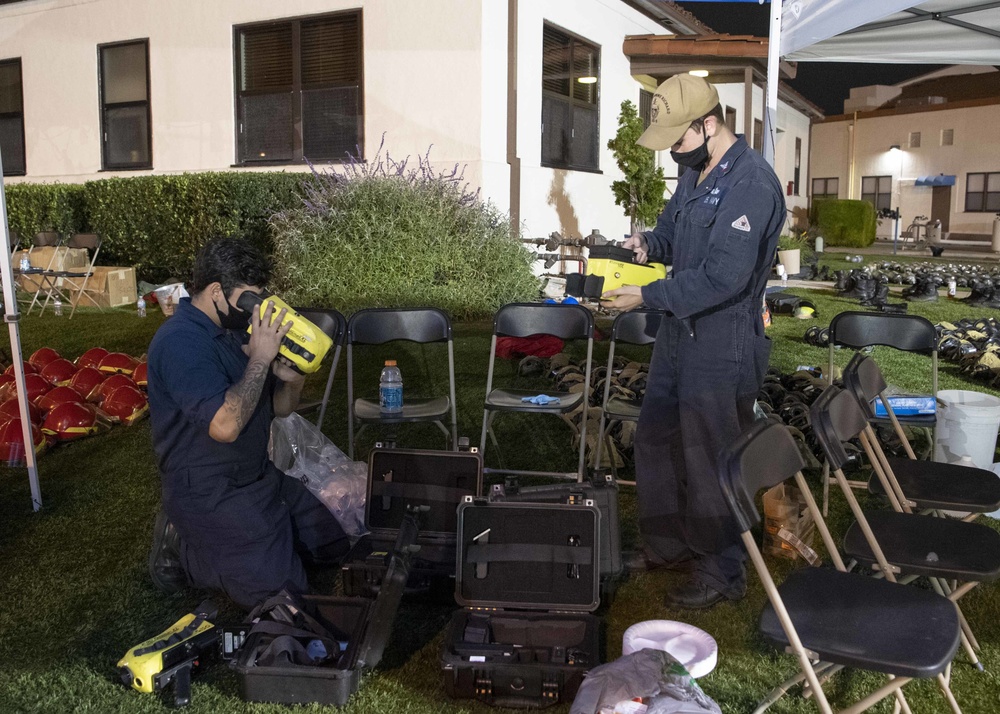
<point>70,400</point>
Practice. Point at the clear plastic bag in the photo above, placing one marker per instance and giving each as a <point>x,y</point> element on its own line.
<point>299,449</point>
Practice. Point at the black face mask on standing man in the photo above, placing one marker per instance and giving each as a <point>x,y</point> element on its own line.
<point>696,158</point>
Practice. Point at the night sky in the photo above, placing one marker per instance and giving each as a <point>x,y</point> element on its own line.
<point>826,84</point>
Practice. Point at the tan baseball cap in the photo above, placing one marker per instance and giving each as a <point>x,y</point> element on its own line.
<point>676,103</point>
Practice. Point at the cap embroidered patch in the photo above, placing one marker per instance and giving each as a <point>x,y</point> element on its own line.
<point>742,223</point>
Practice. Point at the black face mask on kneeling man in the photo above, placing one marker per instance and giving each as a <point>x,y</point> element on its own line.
<point>235,319</point>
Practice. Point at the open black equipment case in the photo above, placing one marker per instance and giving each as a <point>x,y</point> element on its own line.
<point>602,489</point>
<point>400,478</point>
<point>364,623</point>
<point>528,580</point>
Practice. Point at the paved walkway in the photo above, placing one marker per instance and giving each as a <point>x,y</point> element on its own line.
<point>951,254</point>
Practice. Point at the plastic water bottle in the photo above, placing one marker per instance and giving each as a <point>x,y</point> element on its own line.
<point>57,307</point>
<point>140,306</point>
<point>25,262</point>
<point>390,389</point>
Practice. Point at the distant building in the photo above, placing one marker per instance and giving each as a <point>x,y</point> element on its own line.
<point>946,164</point>
<point>525,93</point>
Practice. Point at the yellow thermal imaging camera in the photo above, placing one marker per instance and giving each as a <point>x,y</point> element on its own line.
<point>169,658</point>
<point>304,346</point>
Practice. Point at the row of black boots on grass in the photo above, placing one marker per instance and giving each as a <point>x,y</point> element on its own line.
<point>870,285</point>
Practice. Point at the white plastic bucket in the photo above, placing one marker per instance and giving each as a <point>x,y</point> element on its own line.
<point>693,648</point>
<point>967,425</point>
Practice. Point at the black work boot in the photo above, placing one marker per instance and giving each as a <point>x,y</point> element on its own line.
<point>926,291</point>
<point>842,281</point>
<point>982,293</point>
<point>880,296</point>
<point>864,288</point>
<point>165,567</point>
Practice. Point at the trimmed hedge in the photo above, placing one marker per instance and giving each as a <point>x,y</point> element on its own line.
<point>157,223</point>
<point>34,207</point>
<point>844,222</point>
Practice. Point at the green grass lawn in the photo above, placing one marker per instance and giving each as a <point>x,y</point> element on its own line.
<point>76,595</point>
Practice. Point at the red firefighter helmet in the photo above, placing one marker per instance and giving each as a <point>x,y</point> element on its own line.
<point>35,384</point>
<point>28,369</point>
<point>126,405</point>
<point>92,357</point>
<point>5,379</point>
<point>40,358</point>
<point>12,442</point>
<point>139,376</point>
<point>59,395</point>
<point>58,372</point>
<point>86,381</point>
<point>109,385</point>
<point>72,420</point>
<point>118,363</point>
<point>10,409</point>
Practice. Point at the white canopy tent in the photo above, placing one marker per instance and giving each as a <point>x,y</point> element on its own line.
<point>889,31</point>
<point>11,317</point>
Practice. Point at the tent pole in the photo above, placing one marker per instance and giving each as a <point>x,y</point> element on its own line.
<point>11,317</point>
<point>773,72</point>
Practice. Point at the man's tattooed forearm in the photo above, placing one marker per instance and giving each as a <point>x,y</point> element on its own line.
<point>242,397</point>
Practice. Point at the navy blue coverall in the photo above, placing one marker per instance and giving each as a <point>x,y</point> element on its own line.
<point>709,359</point>
<point>241,521</point>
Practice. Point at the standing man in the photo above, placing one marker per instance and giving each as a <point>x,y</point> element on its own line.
<point>719,231</point>
<point>230,520</point>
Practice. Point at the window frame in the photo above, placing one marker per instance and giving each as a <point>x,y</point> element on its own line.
<point>20,115</point>
<point>984,193</point>
<point>758,136</point>
<point>105,164</point>
<point>826,185</point>
<point>296,88</point>
<point>572,102</point>
<point>877,194</point>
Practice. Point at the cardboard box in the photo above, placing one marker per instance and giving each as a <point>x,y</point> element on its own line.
<point>64,259</point>
<point>109,286</point>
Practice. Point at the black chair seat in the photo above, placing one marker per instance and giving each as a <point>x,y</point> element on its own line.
<point>621,409</point>
<point>510,400</point>
<point>933,485</point>
<point>926,545</point>
<point>434,409</point>
<point>858,621</point>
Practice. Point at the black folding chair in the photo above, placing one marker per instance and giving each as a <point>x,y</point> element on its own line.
<point>898,542</point>
<point>637,327</point>
<point>834,618</point>
<point>334,325</point>
<point>907,333</point>
<point>921,484</point>
<point>568,322</point>
<point>378,326</point>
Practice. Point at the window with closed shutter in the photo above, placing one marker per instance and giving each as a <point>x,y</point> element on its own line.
<point>299,94</point>
<point>125,117</point>
<point>570,95</point>
<point>877,190</point>
<point>11,118</point>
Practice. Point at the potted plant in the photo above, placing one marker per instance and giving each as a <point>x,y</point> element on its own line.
<point>792,251</point>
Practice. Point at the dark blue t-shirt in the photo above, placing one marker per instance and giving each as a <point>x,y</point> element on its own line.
<point>192,362</point>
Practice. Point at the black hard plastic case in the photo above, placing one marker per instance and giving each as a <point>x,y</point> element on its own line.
<point>401,478</point>
<point>368,623</point>
<point>602,490</point>
<point>528,580</point>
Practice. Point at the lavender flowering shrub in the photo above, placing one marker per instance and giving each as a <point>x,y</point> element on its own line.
<point>388,233</point>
